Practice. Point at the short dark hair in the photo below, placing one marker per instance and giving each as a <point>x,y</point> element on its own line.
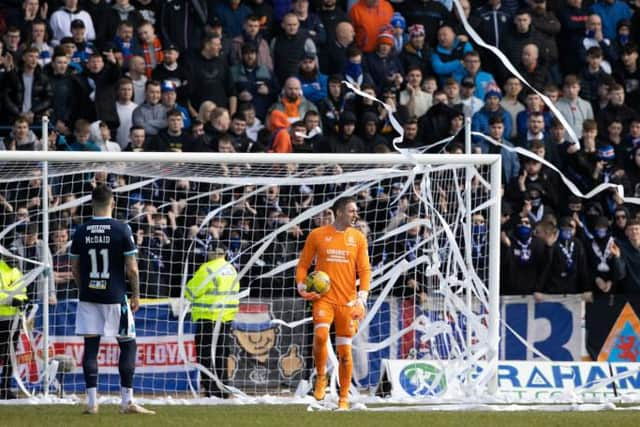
<point>571,79</point>
<point>174,113</point>
<point>238,116</point>
<point>471,53</point>
<point>594,52</point>
<point>536,114</point>
<point>208,37</point>
<point>30,50</point>
<point>245,106</point>
<point>58,52</point>
<point>311,113</point>
<point>589,124</point>
<point>125,81</point>
<point>341,203</point>
<point>615,87</point>
<point>20,119</point>
<point>556,123</point>
<point>32,228</point>
<point>495,119</point>
<point>631,222</point>
<point>537,144</point>
<point>101,195</point>
<point>353,51</point>
<point>225,138</point>
<point>414,67</point>
<point>151,83</point>
<point>413,120</point>
<point>145,22</point>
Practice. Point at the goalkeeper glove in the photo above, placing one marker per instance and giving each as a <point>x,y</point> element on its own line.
<point>309,296</point>
<point>19,302</point>
<point>359,310</point>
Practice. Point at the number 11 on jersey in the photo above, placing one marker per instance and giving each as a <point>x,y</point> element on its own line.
<point>96,273</point>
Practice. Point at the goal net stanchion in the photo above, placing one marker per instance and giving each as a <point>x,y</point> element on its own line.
<point>427,301</point>
<point>44,258</point>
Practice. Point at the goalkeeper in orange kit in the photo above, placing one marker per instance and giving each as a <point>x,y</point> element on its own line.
<point>340,251</point>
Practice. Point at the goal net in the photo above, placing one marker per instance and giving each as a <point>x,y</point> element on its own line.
<point>432,224</point>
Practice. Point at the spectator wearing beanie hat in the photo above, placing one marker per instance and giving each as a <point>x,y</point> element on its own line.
<point>415,51</point>
<point>385,37</point>
<point>606,155</point>
<point>492,107</point>
<point>399,36</point>
<point>384,67</point>
<point>169,98</point>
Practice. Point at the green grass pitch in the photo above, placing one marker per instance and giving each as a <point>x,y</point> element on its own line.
<point>297,415</point>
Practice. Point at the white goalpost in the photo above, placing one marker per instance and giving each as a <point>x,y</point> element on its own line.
<point>433,227</point>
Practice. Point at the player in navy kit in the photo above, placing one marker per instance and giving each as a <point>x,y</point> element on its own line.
<point>103,257</point>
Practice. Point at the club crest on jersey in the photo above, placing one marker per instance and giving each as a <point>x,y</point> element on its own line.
<point>351,241</point>
<point>328,238</point>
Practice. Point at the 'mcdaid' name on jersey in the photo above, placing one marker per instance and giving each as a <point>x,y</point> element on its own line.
<point>98,234</point>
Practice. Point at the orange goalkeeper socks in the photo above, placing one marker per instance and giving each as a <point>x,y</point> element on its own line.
<point>345,369</point>
<point>320,353</point>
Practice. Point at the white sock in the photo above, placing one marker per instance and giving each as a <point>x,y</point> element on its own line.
<point>127,395</point>
<point>92,396</point>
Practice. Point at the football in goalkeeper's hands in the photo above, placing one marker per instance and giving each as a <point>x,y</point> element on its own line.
<point>318,281</point>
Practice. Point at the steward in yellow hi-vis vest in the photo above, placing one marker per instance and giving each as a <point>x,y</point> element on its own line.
<point>213,293</point>
<point>13,296</point>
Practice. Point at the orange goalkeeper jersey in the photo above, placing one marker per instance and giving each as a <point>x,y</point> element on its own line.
<point>340,254</point>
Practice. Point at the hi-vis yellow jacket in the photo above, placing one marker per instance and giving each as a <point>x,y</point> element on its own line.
<point>212,289</point>
<point>9,289</point>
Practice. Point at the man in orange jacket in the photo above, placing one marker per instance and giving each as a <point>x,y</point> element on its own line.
<point>368,18</point>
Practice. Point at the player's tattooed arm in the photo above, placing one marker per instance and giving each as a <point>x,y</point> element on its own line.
<point>133,276</point>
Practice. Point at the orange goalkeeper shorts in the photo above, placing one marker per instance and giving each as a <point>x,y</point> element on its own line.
<point>327,313</point>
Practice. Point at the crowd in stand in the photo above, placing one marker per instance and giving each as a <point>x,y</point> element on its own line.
<point>268,76</point>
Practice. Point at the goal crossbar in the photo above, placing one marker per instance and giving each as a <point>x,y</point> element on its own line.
<point>214,158</point>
